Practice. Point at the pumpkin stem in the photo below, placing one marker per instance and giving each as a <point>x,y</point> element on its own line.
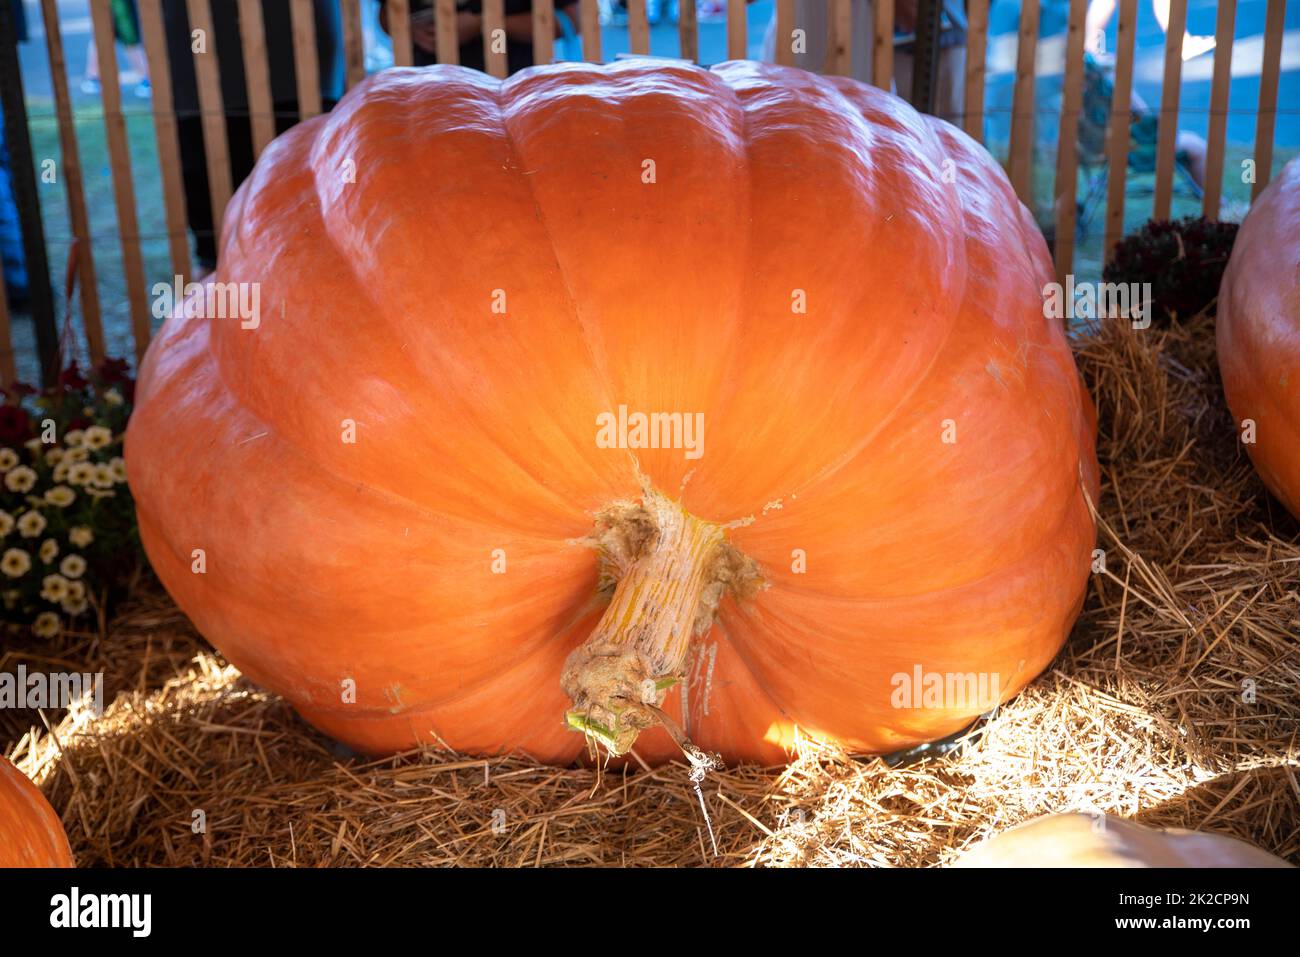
<point>671,570</point>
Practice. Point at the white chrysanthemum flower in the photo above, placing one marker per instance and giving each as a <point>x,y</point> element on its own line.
<point>20,479</point>
<point>79,454</point>
<point>61,472</point>
<point>73,566</point>
<point>117,465</point>
<point>49,550</point>
<point>31,524</point>
<point>54,455</point>
<point>6,523</point>
<point>46,625</point>
<point>80,535</point>
<point>54,588</point>
<point>60,496</point>
<point>33,446</point>
<point>103,476</point>
<point>15,562</point>
<point>76,590</point>
<point>74,606</point>
<point>113,397</point>
<point>98,493</point>
<point>82,473</point>
<point>74,438</point>
<point>97,437</point>
<point>8,459</point>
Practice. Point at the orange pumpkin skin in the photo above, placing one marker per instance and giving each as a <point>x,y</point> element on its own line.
<point>30,832</point>
<point>373,561</point>
<point>1258,334</point>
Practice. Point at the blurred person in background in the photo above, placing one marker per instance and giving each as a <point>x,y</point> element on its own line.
<point>469,31</point>
<point>126,31</point>
<point>1100,13</point>
<point>278,29</point>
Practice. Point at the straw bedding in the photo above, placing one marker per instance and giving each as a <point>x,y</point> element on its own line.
<point>1143,714</point>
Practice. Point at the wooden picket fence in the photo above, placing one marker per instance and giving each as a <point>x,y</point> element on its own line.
<point>1019,166</point>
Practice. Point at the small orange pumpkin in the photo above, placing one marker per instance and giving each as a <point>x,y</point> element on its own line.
<point>606,398</point>
<point>1087,840</point>
<point>1259,335</point>
<point>31,834</point>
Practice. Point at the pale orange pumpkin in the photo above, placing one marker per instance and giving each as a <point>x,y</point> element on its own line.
<point>1259,335</point>
<point>397,485</point>
<point>1100,840</point>
<point>31,834</point>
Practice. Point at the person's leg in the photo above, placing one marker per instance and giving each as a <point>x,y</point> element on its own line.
<point>1192,149</point>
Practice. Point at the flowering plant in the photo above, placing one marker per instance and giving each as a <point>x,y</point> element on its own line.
<point>67,521</point>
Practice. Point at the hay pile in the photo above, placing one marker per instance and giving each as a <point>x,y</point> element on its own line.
<point>1143,714</point>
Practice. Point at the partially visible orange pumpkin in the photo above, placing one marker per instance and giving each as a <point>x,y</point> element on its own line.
<point>30,832</point>
<point>471,274</point>
<point>1259,335</point>
<point>1087,840</point>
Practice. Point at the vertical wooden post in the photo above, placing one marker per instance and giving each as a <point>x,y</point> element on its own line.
<point>784,51</point>
<point>1020,158</point>
<point>447,42</point>
<point>71,171</point>
<point>638,27</point>
<point>1266,117</point>
<point>1167,132</point>
<point>164,126</point>
<point>399,32</point>
<point>543,31</point>
<point>1118,127</point>
<point>1067,141</point>
<point>1223,32</point>
<point>737,30</point>
<point>590,14</point>
<point>494,30</point>
<point>354,54</point>
<point>257,77</point>
<point>128,225</point>
<point>977,35</point>
<point>882,51</point>
<point>306,64</point>
<point>840,42</point>
<point>688,31</point>
<point>207,72</point>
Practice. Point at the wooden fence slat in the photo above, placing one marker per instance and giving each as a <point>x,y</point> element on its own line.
<point>1020,155</point>
<point>77,214</point>
<point>399,32</point>
<point>207,73</point>
<point>1118,126</point>
<point>590,13</point>
<point>354,53</point>
<point>1067,141</point>
<point>306,66</point>
<point>494,38</point>
<point>1223,32</point>
<point>1167,133</point>
<point>839,44</point>
<point>882,50</point>
<point>977,37</point>
<point>128,224</point>
<point>543,31</point>
<point>1266,117</point>
<point>737,30</point>
<point>638,27</point>
<point>8,368</point>
<point>257,75</point>
<point>688,31</point>
<point>447,39</point>
<point>784,37</point>
<point>164,126</point>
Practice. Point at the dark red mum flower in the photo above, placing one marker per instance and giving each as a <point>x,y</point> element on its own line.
<point>15,425</point>
<point>71,377</point>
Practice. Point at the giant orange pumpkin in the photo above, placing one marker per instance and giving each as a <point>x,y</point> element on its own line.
<point>1259,335</point>
<point>30,832</point>
<point>417,499</point>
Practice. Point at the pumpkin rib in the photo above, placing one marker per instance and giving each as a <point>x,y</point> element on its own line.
<point>31,832</point>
